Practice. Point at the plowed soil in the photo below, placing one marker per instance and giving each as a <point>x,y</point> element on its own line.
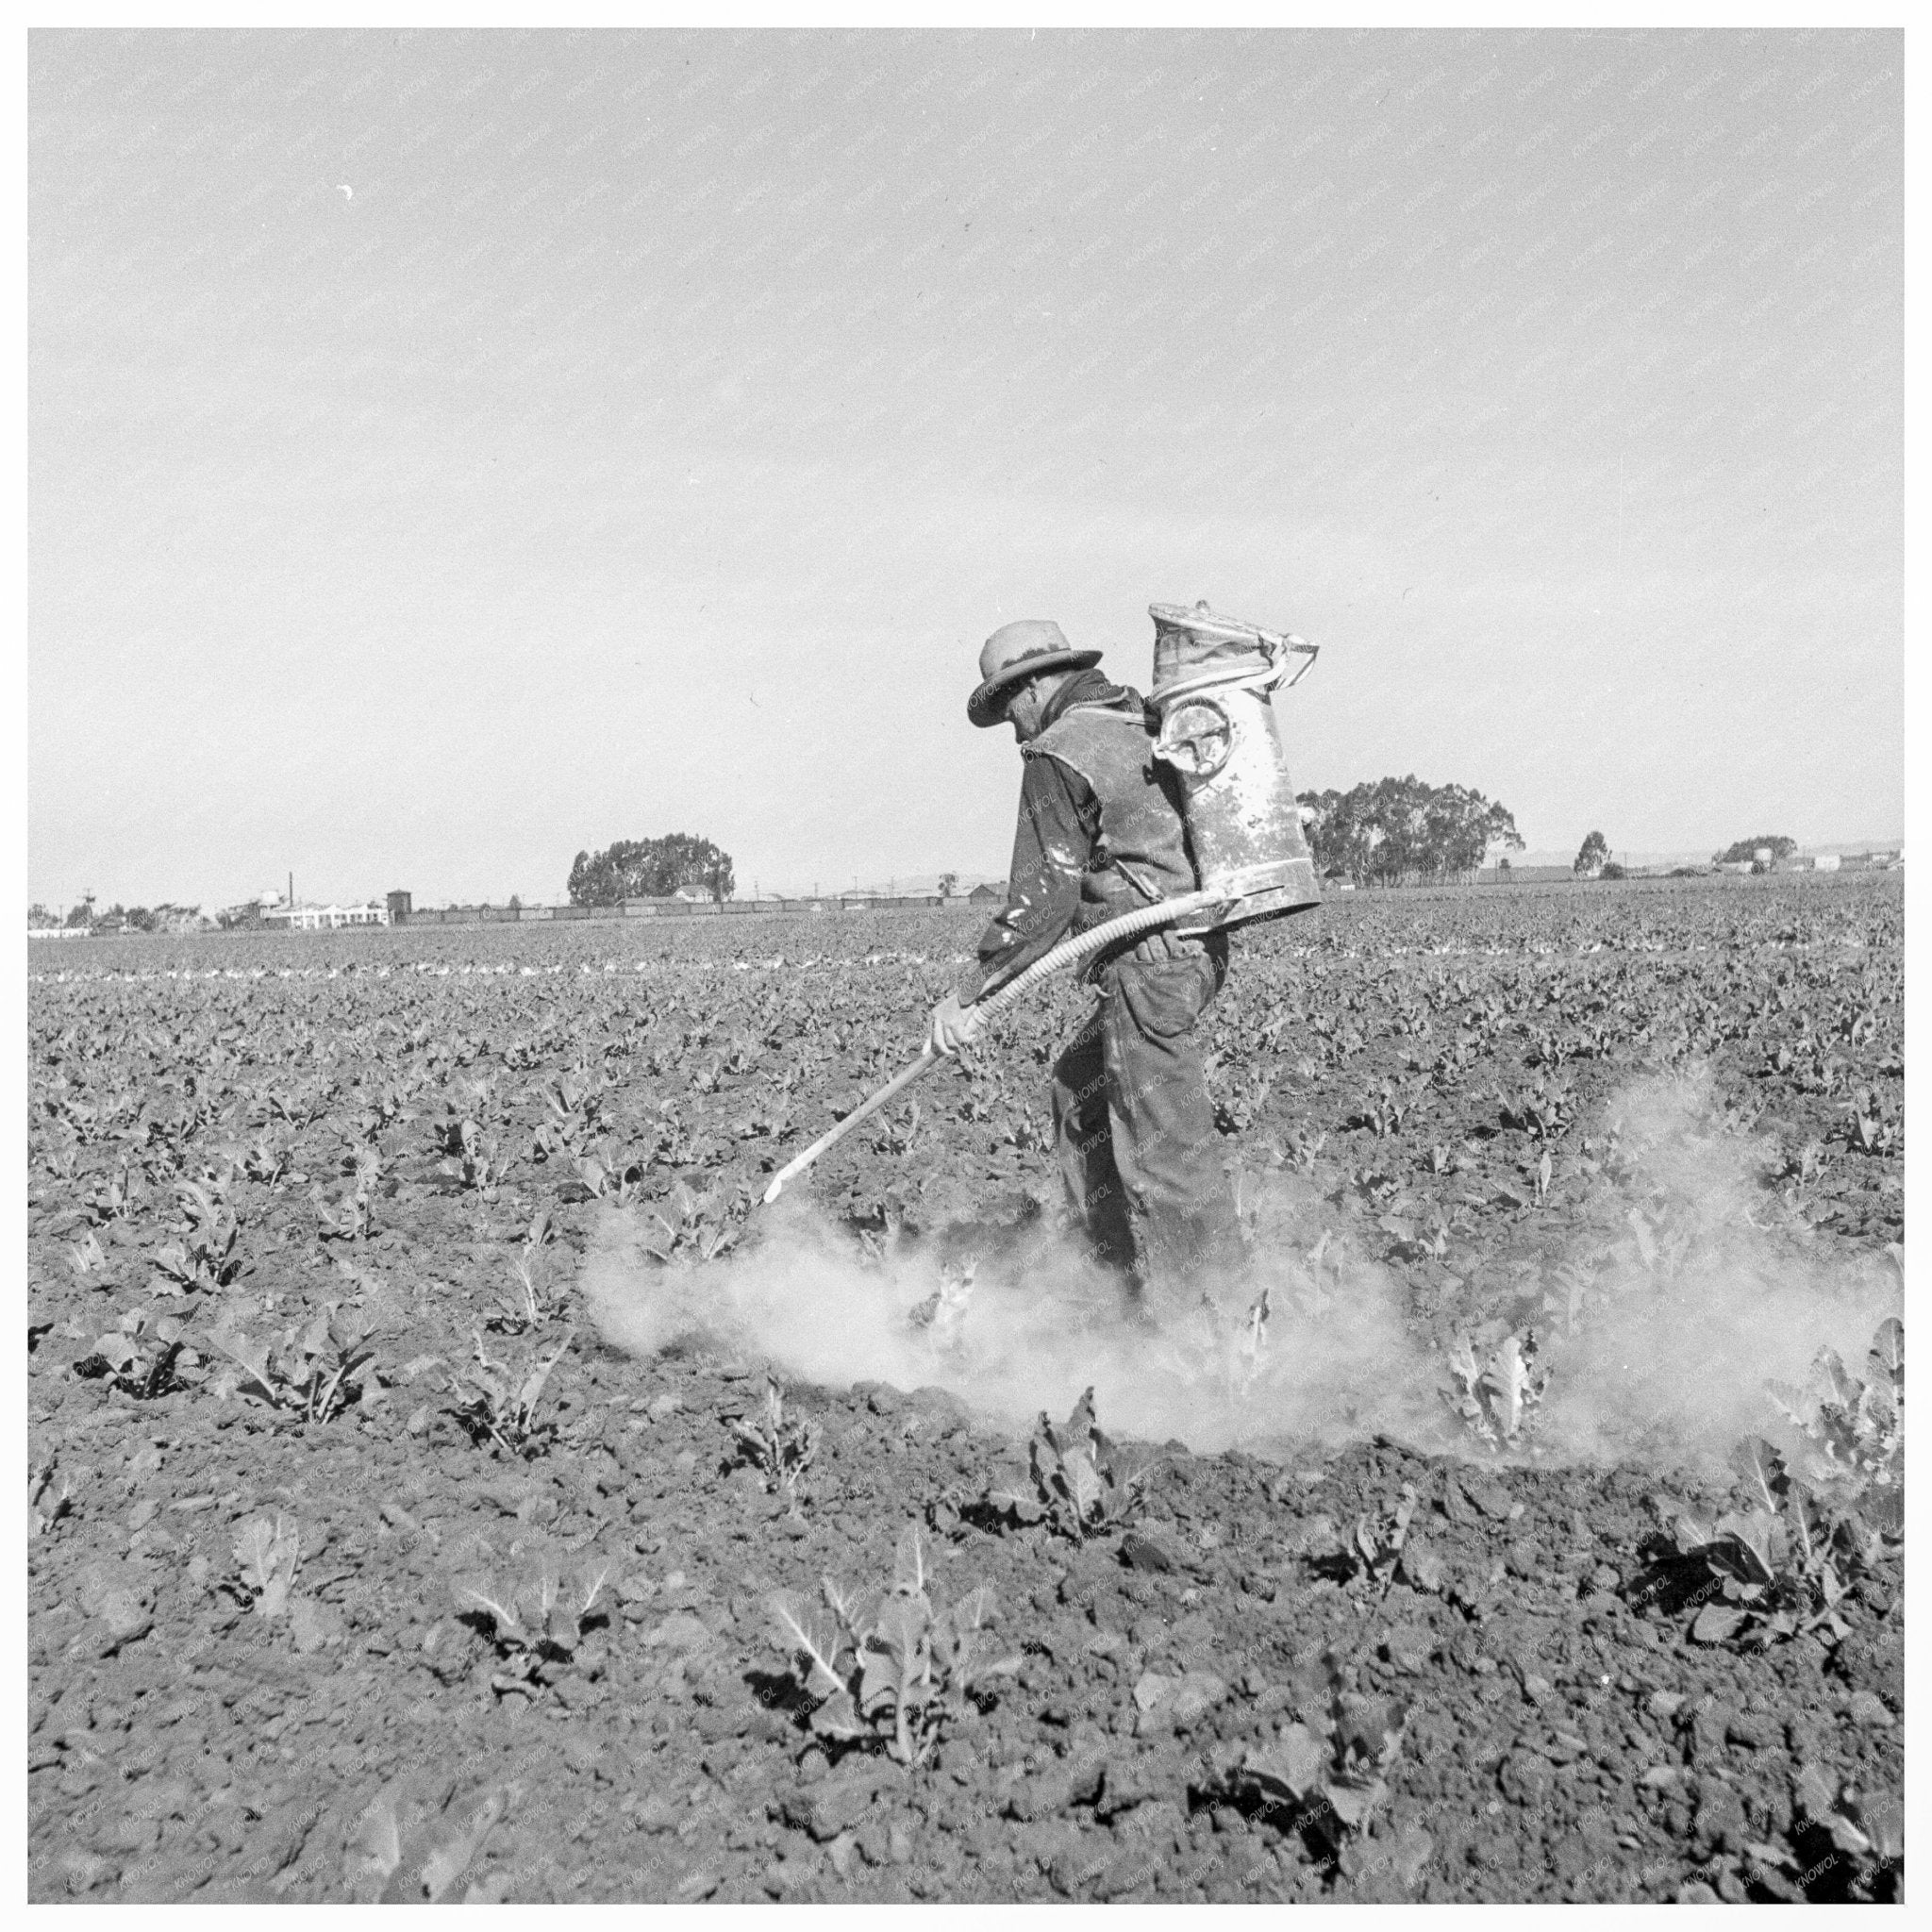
<point>1433,1078</point>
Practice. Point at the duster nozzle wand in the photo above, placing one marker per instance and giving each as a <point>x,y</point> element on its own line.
<point>1068,953</point>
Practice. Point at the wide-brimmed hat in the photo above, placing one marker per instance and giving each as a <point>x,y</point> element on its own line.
<point>1014,654</point>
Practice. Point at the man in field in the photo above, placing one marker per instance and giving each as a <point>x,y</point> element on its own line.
<point>1100,834</point>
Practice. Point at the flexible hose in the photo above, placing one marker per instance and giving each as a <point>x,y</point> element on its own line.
<point>1068,953</point>
<point>1084,945</point>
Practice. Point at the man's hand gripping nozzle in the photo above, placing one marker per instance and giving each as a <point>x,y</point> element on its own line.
<point>952,1026</point>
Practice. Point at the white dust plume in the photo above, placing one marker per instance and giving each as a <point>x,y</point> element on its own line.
<point>1691,1285</point>
<point>1026,1329</point>
<point>1681,1285</point>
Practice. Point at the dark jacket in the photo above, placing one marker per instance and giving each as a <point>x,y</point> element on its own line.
<point>1063,873</point>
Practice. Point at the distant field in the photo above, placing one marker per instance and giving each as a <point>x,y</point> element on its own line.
<point>1641,914</point>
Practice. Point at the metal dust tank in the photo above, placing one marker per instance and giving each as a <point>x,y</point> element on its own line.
<point>1214,678</point>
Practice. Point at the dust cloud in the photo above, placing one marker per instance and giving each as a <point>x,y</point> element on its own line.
<point>1034,1325</point>
<point>1697,1286</point>
<point>1681,1286</point>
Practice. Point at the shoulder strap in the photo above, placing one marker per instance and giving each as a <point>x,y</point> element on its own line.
<point>1077,735</point>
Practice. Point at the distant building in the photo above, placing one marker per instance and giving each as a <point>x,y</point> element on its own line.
<point>324,918</point>
<point>992,893</point>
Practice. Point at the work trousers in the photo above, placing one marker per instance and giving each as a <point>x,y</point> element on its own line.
<point>1139,1152</point>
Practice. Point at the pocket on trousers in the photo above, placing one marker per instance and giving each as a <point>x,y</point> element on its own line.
<point>1164,1001</point>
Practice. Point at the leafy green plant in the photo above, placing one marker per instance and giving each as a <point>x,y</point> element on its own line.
<point>1078,1479</point>
<point>892,1673</point>
<point>538,1619</point>
<point>605,1173</point>
<point>770,1115</point>
<point>677,1143</point>
<point>1564,1301</point>
<point>1386,1108</point>
<point>417,1838</point>
<point>1543,1109</point>
<point>533,1306</point>
<point>387,1105</point>
<point>300,1103</point>
<point>1496,1400</point>
<point>1856,1430</point>
<point>1779,1568</point>
<point>1245,1097</point>
<point>1415,1240</point>
<point>897,1130</point>
<point>60,1153</point>
<point>202,1256</point>
<point>1329,1777</point>
<point>702,1230</point>
<point>350,1216</point>
<point>779,1446</point>
<point>140,1354</point>
<point>310,1369</point>
<point>476,1162</point>
<point>571,1102</point>
<point>115,1195</point>
<point>1874,1123</point>
<point>268,1552</point>
<point>943,1313</point>
<point>86,1257</point>
<point>497,1404</point>
<point>1376,1548</point>
<point>270,1163</point>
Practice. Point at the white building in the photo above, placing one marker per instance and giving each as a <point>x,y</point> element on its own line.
<point>324,918</point>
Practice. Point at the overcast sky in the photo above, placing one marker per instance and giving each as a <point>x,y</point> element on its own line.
<point>454,450</point>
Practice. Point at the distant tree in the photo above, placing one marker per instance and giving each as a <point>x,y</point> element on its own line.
<point>948,884</point>
<point>140,919</point>
<point>1399,830</point>
<point>1591,860</point>
<point>38,917</point>
<point>650,869</point>
<point>1612,871</point>
<point>516,905</point>
<point>1780,847</point>
<point>82,914</point>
